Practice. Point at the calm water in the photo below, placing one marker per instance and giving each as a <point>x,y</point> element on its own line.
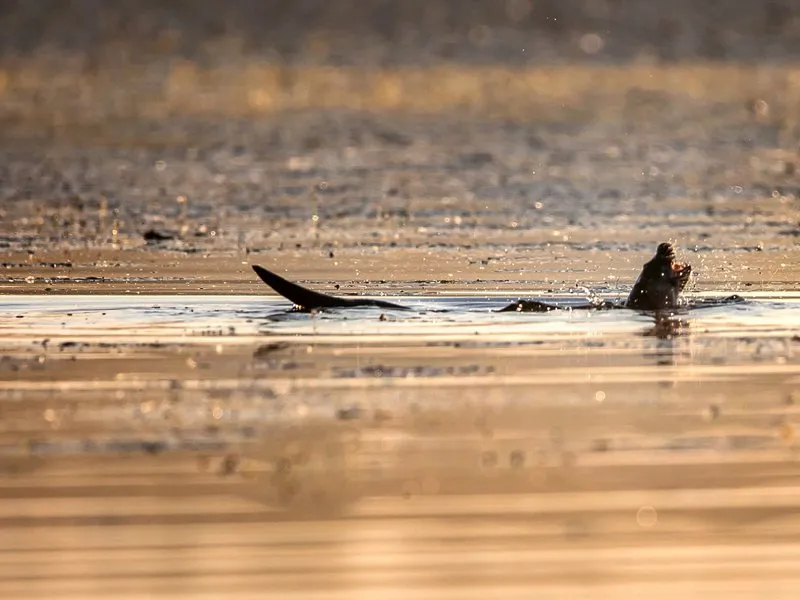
<point>184,317</point>
<point>163,446</point>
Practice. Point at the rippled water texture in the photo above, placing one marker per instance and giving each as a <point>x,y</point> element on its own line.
<point>168,428</point>
<point>170,445</point>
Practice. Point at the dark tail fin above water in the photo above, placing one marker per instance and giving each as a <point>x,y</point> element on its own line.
<point>309,299</point>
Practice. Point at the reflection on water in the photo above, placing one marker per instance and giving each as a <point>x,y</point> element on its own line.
<point>667,326</point>
<point>208,446</point>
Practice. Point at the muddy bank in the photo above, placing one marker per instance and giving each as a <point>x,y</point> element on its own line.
<point>184,204</point>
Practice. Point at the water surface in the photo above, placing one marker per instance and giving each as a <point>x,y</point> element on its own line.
<point>161,446</point>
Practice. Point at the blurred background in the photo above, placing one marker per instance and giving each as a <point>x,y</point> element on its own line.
<point>380,33</point>
<point>90,59</point>
<point>582,107</point>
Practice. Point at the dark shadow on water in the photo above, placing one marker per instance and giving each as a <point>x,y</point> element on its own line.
<point>670,325</point>
<point>667,326</point>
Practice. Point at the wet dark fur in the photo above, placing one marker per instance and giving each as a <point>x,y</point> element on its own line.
<point>660,283</point>
<point>305,299</point>
<point>658,288</point>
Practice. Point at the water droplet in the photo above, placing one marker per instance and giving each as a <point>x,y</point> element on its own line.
<point>646,516</point>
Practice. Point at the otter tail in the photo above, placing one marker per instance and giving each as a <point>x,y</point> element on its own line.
<point>306,299</point>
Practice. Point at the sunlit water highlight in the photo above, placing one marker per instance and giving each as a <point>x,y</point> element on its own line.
<point>163,446</point>
<point>172,318</point>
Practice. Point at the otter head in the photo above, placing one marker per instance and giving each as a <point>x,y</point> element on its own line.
<point>661,281</point>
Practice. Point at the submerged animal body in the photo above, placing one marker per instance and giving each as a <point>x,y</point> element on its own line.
<point>657,288</point>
